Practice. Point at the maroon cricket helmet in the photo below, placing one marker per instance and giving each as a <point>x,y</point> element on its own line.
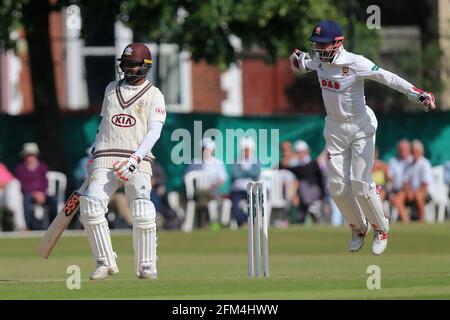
<point>136,52</point>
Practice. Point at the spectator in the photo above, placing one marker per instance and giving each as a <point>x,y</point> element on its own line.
<point>288,157</point>
<point>32,174</point>
<point>417,184</point>
<point>80,171</point>
<point>160,199</point>
<point>11,198</point>
<point>447,176</point>
<point>396,167</point>
<point>330,208</point>
<point>380,175</point>
<point>245,170</point>
<point>447,173</point>
<point>216,174</point>
<point>310,183</point>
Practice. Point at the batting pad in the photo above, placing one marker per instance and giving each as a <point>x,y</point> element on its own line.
<point>371,204</point>
<point>346,202</point>
<point>144,233</point>
<point>93,218</point>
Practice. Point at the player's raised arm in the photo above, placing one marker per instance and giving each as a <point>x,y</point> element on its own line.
<point>301,62</point>
<point>368,70</point>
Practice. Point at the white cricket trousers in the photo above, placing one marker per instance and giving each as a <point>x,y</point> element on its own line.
<point>350,147</point>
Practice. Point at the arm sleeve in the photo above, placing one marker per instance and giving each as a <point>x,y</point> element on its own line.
<point>150,139</point>
<point>310,64</point>
<point>366,69</point>
<point>156,119</point>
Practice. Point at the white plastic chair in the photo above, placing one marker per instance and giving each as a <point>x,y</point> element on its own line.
<point>197,180</point>
<point>173,198</point>
<point>57,184</point>
<point>439,197</point>
<point>277,183</point>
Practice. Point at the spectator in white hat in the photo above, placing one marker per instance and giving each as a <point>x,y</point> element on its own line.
<point>214,169</point>
<point>246,169</point>
<point>32,174</point>
<point>310,183</point>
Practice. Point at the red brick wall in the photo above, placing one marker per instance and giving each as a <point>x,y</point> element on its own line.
<point>265,85</point>
<point>207,94</point>
<point>284,78</point>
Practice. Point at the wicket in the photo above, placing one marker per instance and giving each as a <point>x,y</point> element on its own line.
<point>257,223</point>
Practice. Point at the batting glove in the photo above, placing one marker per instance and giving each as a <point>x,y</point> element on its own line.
<point>126,169</point>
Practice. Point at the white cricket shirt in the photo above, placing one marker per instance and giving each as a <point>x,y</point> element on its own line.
<point>342,82</point>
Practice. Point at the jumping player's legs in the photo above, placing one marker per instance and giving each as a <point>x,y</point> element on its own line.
<point>338,164</point>
<point>362,185</point>
<point>137,191</point>
<point>93,207</point>
<point>362,150</point>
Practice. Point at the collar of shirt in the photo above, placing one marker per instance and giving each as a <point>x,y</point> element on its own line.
<point>127,86</point>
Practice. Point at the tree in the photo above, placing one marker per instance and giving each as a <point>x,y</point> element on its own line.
<point>48,122</point>
<point>206,28</point>
<point>10,14</point>
<point>34,17</point>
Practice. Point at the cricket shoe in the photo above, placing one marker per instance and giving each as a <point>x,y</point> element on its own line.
<point>147,272</point>
<point>102,270</point>
<point>100,273</point>
<point>357,240</point>
<point>379,242</point>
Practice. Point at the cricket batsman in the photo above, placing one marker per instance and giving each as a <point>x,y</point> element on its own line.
<point>132,117</point>
<point>350,128</point>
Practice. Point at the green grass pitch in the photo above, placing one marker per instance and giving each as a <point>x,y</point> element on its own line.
<point>306,262</point>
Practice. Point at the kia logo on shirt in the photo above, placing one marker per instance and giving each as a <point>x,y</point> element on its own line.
<point>123,120</point>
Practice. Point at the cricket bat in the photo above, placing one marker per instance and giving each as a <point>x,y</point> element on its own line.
<point>61,222</point>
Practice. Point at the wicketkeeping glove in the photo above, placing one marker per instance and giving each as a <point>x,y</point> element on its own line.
<point>295,56</point>
<point>421,96</point>
<point>427,98</point>
<point>125,169</point>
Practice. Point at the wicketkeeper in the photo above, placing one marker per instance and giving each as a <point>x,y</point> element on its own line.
<point>132,117</point>
<point>350,128</point>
